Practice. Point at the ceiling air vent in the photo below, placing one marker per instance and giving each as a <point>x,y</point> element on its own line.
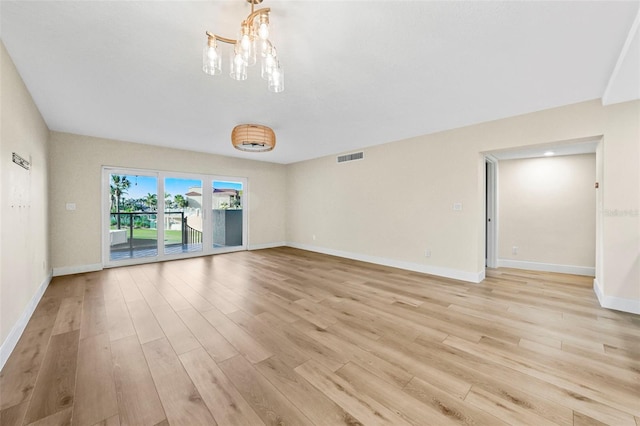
<point>350,157</point>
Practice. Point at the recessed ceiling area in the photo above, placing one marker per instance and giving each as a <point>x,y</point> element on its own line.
<point>357,74</point>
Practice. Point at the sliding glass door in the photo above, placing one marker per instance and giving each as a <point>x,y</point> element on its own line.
<point>227,213</point>
<point>194,215</point>
<point>183,215</point>
<point>132,216</point>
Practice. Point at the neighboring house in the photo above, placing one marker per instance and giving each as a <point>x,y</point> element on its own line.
<point>194,198</point>
<point>223,198</point>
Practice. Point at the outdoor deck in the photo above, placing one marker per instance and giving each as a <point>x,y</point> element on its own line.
<point>147,250</point>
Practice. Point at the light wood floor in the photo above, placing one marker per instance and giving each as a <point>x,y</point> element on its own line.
<point>284,336</point>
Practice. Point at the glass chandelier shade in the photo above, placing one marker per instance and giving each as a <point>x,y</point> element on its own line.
<point>238,65</point>
<point>211,58</point>
<point>252,42</point>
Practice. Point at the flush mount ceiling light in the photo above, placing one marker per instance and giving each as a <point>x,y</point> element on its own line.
<point>253,138</point>
<point>253,40</point>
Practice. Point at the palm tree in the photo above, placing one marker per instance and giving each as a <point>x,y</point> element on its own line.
<point>152,200</point>
<point>119,186</point>
<point>180,201</point>
<point>113,198</point>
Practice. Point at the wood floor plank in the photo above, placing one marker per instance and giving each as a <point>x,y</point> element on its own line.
<point>111,421</point>
<point>66,286</point>
<point>409,408</point>
<point>299,310</point>
<point>69,315</point>
<point>95,387</point>
<point>265,399</point>
<point>181,400</point>
<point>164,287</point>
<point>178,334</point>
<point>14,416</point>
<point>55,387</point>
<point>510,411</point>
<point>60,418</point>
<point>617,392</point>
<point>284,335</point>
<point>118,319</point>
<point>619,374</point>
<point>210,339</point>
<point>504,384</point>
<point>361,406</point>
<point>453,408</point>
<point>538,386</point>
<point>313,403</point>
<point>218,393</point>
<point>138,401</point>
<point>127,284</point>
<point>305,344</point>
<point>243,342</point>
<point>399,351</point>
<point>583,420</point>
<point>274,342</point>
<point>18,377</point>
<point>391,373</point>
<point>216,317</point>
<point>93,285</point>
<point>145,323</point>
<point>94,316</point>
<point>185,290</point>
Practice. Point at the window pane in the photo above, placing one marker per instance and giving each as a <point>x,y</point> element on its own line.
<point>182,215</point>
<point>132,231</point>
<point>227,214</point>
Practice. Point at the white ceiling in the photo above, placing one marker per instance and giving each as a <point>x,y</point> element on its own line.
<point>357,73</point>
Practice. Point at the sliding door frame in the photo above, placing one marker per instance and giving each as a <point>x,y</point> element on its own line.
<point>207,226</point>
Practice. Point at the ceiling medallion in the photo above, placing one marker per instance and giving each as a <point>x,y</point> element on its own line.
<point>253,138</point>
<point>252,40</point>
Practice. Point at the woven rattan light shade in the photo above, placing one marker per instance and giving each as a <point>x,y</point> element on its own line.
<point>253,138</point>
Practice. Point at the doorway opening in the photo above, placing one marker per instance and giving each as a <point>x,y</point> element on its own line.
<point>490,213</point>
<point>546,221</point>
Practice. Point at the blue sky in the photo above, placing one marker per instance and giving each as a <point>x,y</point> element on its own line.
<point>142,185</point>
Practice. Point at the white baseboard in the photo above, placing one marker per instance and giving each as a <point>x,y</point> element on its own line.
<point>473,277</point>
<point>11,341</point>
<point>547,267</point>
<point>616,303</point>
<point>266,245</point>
<point>80,269</point>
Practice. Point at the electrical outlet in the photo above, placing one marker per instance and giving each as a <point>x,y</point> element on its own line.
<point>71,206</point>
<point>427,253</point>
<point>457,207</point>
<point>514,250</point>
<point>314,237</point>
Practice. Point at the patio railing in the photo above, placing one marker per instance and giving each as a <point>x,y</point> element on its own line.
<point>128,220</point>
<point>190,235</point>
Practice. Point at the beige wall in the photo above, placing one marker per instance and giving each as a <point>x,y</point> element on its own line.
<point>24,241</point>
<point>397,202</point>
<point>76,164</point>
<point>547,208</point>
<point>621,258</point>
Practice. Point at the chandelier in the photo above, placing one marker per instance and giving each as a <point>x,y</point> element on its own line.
<point>253,138</point>
<point>253,40</point>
